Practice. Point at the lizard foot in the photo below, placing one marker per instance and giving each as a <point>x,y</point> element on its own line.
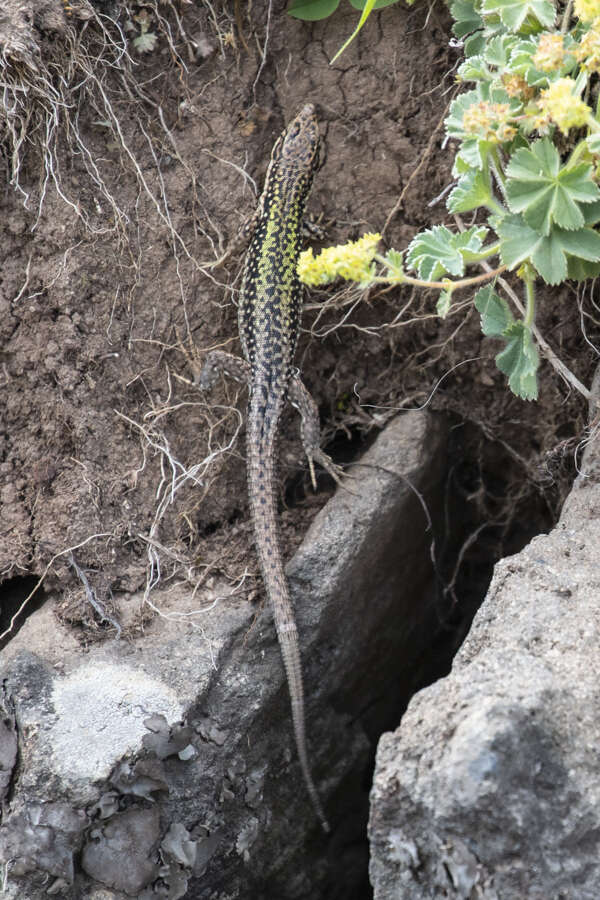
<point>219,363</point>
<point>332,469</point>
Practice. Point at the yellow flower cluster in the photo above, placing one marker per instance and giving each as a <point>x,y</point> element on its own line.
<point>516,86</point>
<point>550,54</point>
<point>563,106</point>
<point>588,52</point>
<point>489,121</point>
<point>587,10</point>
<point>351,261</point>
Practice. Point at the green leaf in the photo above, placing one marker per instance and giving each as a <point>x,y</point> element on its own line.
<point>496,54</point>
<point>145,42</point>
<point>442,307</point>
<point>584,243</point>
<point>437,251</point>
<point>550,260</point>
<point>312,10</point>
<point>549,254</point>
<point>473,153</point>
<point>513,13</point>
<point>591,212</point>
<point>581,269</point>
<point>394,260</point>
<point>367,10</point>
<point>495,312</point>
<point>593,142</point>
<point>517,240</point>
<point>474,44</point>
<point>544,192</point>
<point>379,4</point>
<point>498,50</point>
<point>520,360</point>
<point>471,191</point>
<point>466,18</point>
<point>459,168</point>
<point>474,69</point>
<point>520,59</point>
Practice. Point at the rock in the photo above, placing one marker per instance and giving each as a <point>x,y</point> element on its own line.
<point>44,837</point>
<point>8,747</point>
<point>118,853</point>
<point>490,787</point>
<point>174,749</point>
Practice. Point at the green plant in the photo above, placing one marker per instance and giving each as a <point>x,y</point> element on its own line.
<point>145,41</point>
<point>313,10</point>
<point>527,166</point>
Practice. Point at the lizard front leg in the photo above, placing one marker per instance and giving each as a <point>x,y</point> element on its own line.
<point>220,363</point>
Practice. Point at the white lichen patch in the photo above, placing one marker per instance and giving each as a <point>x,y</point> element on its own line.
<point>100,712</point>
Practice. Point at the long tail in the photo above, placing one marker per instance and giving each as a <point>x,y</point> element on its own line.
<point>261,481</point>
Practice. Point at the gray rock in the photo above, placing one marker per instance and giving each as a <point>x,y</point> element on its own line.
<point>44,837</point>
<point>8,747</point>
<point>490,787</point>
<point>176,746</point>
<point>118,852</point>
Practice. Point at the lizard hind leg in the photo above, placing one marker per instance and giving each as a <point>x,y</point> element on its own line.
<point>311,432</point>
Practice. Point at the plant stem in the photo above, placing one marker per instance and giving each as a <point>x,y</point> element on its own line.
<point>495,206</point>
<point>593,124</point>
<point>556,363</point>
<point>577,151</point>
<point>484,253</point>
<point>566,17</point>
<point>397,276</point>
<point>530,295</point>
<point>496,166</point>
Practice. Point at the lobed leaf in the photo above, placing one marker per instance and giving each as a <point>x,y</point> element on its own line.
<point>145,42</point>
<point>549,254</point>
<point>379,4</point>
<point>442,307</point>
<point>438,251</point>
<point>394,259</point>
<point>546,193</point>
<point>519,361</point>
<point>593,142</point>
<point>494,311</point>
<point>471,191</point>
<point>466,18</point>
<point>580,269</point>
<point>514,13</point>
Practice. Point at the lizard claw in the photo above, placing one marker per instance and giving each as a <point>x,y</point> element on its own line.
<point>332,469</point>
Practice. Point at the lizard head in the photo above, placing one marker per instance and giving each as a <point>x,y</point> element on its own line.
<point>300,140</point>
<point>294,161</point>
<point>296,152</point>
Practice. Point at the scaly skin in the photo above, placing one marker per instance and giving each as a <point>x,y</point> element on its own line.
<point>269,313</point>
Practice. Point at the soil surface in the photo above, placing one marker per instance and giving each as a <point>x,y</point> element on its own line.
<point>135,174</point>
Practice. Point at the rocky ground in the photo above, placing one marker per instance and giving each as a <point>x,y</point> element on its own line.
<point>489,787</point>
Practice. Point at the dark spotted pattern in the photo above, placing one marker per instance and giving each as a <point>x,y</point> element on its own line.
<point>270,301</point>
<point>269,313</point>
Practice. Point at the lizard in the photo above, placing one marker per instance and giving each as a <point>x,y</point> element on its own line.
<point>268,321</point>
